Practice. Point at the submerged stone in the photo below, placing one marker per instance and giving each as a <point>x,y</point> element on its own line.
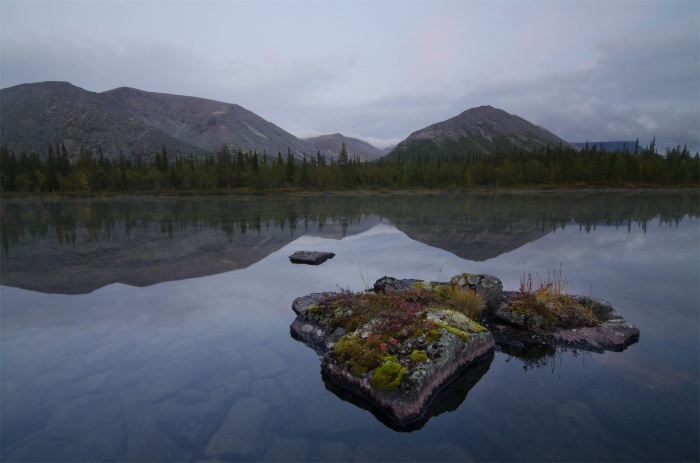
<point>310,257</point>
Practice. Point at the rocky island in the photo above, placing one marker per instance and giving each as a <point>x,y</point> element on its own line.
<point>398,344</point>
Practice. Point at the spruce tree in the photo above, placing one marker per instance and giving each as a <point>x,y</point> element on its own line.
<point>289,172</point>
<point>343,156</point>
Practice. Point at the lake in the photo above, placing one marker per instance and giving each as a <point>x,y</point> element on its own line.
<point>139,329</point>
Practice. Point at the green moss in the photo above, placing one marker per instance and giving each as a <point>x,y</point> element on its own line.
<point>476,327</point>
<point>419,356</point>
<point>361,354</point>
<point>441,291</point>
<point>461,334</point>
<point>431,336</point>
<point>388,376</point>
<point>357,369</point>
<point>423,285</point>
<point>314,309</point>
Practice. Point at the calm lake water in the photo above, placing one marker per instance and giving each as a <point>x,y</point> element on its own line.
<point>140,329</point>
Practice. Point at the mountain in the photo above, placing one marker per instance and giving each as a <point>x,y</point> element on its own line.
<point>207,124</point>
<point>611,146</point>
<point>476,130</point>
<point>133,121</point>
<point>329,146</point>
<point>33,115</point>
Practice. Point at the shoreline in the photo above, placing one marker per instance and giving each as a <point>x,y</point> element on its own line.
<point>297,193</point>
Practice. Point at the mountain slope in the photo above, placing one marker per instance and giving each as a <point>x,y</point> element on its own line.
<point>133,121</point>
<point>477,130</point>
<point>32,115</point>
<point>207,124</point>
<point>329,146</point>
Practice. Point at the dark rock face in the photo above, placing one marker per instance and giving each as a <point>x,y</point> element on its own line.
<point>310,257</point>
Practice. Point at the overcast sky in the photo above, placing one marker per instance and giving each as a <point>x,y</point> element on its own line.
<point>585,70</point>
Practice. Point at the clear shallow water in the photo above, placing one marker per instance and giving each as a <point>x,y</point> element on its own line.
<point>97,370</point>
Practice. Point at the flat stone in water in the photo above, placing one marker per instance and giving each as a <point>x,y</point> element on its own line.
<point>310,257</point>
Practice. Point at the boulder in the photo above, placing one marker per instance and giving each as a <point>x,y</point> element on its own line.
<point>310,257</point>
<point>426,363</point>
<point>489,286</point>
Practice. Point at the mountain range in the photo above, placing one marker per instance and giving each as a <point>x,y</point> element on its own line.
<point>135,122</point>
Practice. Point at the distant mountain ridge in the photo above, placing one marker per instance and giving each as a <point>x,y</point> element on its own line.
<point>477,130</point>
<point>133,121</point>
<point>329,146</point>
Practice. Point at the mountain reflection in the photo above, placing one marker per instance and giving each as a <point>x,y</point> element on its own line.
<point>75,247</point>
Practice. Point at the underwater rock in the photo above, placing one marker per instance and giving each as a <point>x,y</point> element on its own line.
<point>310,257</point>
<point>404,372</point>
<point>240,436</point>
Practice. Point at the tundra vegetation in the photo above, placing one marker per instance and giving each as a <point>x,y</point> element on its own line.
<point>390,333</point>
<point>56,170</point>
<point>549,305</point>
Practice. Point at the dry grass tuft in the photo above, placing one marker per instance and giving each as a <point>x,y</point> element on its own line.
<point>551,300</point>
<point>467,301</point>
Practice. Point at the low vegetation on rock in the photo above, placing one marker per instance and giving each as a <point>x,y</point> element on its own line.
<point>390,333</point>
<point>547,305</point>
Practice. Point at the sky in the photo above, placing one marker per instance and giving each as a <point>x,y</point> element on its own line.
<point>380,70</point>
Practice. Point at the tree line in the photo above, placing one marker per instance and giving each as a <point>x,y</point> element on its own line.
<point>90,170</point>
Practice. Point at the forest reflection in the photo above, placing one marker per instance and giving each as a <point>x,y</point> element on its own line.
<point>497,213</point>
<point>144,241</point>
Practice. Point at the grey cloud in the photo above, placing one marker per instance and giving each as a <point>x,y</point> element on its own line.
<point>641,85</point>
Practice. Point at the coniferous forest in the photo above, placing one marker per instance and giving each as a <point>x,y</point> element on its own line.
<point>545,167</point>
